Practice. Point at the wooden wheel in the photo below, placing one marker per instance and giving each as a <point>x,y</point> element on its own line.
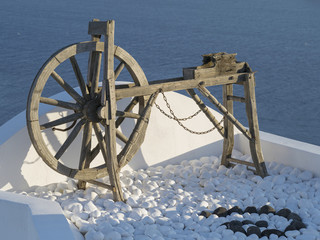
<point>80,115</point>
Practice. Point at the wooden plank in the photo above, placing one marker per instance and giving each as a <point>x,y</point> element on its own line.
<point>127,114</point>
<point>110,129</point>
<point>180,84</point>
<point>223,110</point>
<point>251,109</point>
<point>228,140</point>
<point>98,28</point>
<point>206,111</point>
<point>234,160</point>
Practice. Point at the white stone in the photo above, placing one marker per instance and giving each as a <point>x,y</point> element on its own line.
<point>292,233</point>
<point>94,235</point>
<point>152,232</point>
<point>90,207</point>
<point>112,236</point>
<point>305,175</point>
<point>95,213</point>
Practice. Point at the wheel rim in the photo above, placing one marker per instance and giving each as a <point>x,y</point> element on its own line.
<point>83,105</point>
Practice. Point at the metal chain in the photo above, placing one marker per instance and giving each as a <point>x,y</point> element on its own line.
<point>178,120</point>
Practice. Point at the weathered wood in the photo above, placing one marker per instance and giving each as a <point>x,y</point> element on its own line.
<point>85,152</point>
<point>174,85</point>
<point>54,102</point>
<point>100,184</point>
<point>228,140</point>
<point>110,129</point>
<point>129,108</point>
<point>66,119</point>
<point>206,111</point>
<point>224,111</point>
<point>218,70</point>
<point>234,160</point>
<point>127,115</point>
<point>138,134</point>
<point>72,136</point>
<point>121,136</point>
<point>34,99</point>
<point>67,88</point>
<point>251,109</point>
<point>118,70</point>
<point>98,28</point>
<point>77,72</point>
<point>236,98</point>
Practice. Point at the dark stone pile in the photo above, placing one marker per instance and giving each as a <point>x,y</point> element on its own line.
<point>237,226</point>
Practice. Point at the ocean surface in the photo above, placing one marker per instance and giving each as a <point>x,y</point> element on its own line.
<point>280,39</point>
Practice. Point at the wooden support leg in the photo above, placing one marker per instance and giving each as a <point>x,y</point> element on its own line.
<point>206,111</point>
<point>251,109</point>
<point>109,94</point>
<point>228,140</point>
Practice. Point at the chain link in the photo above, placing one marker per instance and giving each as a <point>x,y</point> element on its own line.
<point>178,120</point>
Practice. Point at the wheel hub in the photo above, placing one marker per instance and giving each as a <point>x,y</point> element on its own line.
<point>90,110</point>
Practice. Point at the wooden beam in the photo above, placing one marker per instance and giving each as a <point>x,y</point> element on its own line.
<point>177,84</point>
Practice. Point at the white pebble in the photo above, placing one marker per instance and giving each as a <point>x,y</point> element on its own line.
<point>112,236</point>
<point>94,235</point>
<point>90,207</point>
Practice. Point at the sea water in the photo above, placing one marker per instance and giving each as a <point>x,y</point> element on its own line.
<point>279,39</point>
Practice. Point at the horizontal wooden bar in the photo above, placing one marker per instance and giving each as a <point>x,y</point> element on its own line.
<point>234,160</point>
<point>100,184</point>
<point>236,98</point>
<point>176,84</point>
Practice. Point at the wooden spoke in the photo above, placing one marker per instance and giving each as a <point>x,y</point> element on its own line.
<point>70,139</point>
<point>79,77</point>
<point>73,106</point>
<point>69,118</point>
<point>121,136</point>
<point>101,140</point>
<point>118,70</point>
<point>86,146</point>
<point>129,108</point>
<point>94,72</point>
<point>67,87</point>
<point>85,152</point>
<point>127,115</point>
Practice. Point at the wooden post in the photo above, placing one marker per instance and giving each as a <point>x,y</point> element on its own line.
<point>108,100</point>
<point>228,140</point>
<point>251,109</point>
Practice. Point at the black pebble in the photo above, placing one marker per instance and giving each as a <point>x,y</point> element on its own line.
<point>205,214</point>
<point>294,216</point>
<point>262,223</point>
<point>235,209</point>
<point>284,212</point>
<point>237,228</point>
<point>221,212</point>
<point>254,230</point>
<point>268,232</point>
<point>236,223</point>
<point>251,210</point>
<point>295,225</point>
<point>247,222</point>
<point>266,209</point>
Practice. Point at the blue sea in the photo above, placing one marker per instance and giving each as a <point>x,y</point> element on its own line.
<point>280,39</point>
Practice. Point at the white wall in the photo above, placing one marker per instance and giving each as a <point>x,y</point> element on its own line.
<point>31,218</point>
